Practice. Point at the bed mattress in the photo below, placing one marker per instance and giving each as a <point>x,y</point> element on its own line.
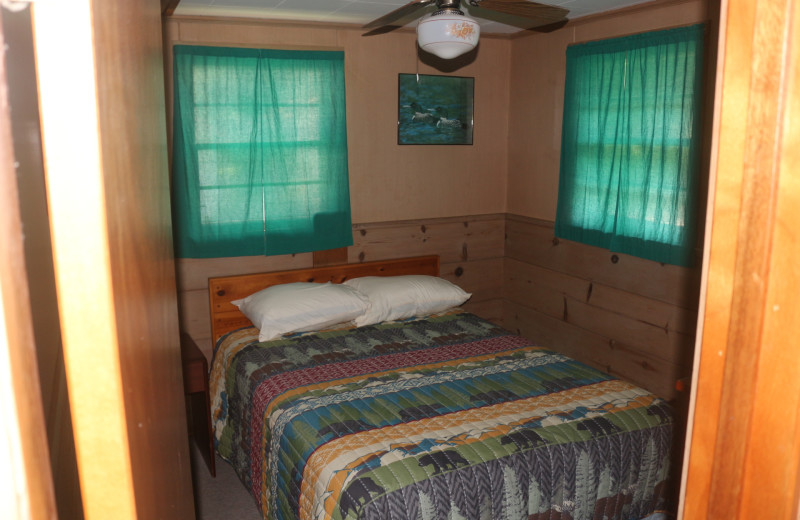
<point>448,417</point>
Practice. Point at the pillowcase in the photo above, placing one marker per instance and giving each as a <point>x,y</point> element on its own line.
<point>300,307</point>
<point>398,297</point>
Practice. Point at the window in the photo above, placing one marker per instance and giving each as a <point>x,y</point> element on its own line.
<point>260,152</point>
<point>630,144</point>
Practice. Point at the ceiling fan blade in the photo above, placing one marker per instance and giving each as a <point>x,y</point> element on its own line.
<point>399,13</point>
<point>381,30</point>
<point>550,27</point>
<point>541,13</point>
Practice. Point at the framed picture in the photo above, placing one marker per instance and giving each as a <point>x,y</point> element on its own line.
<point>434,109</point>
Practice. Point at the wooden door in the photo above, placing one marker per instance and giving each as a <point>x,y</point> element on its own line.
<point>101,92</point>
<point>27,487</point>
<point>743,459</point>
<point>24,102</point>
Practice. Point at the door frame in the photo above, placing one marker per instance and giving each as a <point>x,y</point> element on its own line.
<point>742,459</point>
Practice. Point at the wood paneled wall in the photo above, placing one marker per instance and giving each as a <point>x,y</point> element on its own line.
<point>630,317</point>
<point>470,250</point>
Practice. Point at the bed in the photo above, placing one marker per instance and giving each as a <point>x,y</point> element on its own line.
<point>445,416</point>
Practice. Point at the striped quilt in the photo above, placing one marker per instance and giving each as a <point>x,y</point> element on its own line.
<point>444,418</point>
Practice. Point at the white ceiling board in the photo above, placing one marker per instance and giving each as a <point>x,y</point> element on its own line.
<point>362,11</point>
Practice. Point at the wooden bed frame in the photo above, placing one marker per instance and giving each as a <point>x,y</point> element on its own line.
<point>222,290</point>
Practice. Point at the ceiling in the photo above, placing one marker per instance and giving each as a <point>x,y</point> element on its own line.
<point>363,11</point>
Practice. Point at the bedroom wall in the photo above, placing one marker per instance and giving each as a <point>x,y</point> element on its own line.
<point>389,182</point>
<point>487,209</point>
<point>631,317</point>
<point>406,200</point>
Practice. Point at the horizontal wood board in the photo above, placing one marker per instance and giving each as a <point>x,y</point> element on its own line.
<point>633,318</point>
<point>453,239</point>
<point>608,355</point>
<point>533,241</point>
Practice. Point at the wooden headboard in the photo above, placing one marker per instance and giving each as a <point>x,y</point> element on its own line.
<point>222,290</point>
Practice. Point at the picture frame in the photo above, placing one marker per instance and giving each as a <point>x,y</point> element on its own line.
<point>435,110</point>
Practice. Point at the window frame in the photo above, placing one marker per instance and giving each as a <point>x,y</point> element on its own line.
<point>612,224</point>
<point>198,229</point>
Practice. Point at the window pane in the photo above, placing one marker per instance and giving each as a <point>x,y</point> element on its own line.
<point>260,144</point>
<point>629,144</point>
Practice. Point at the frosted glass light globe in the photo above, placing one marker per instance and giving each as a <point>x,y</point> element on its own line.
<point>448,35</point>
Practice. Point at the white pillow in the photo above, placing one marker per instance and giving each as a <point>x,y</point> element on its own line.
<point>301,306</point>
<point>398,297</point>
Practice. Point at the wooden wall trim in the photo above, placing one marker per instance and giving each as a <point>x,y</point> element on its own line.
<point>243,20</point>
<point>301,24</point>
<point>513,217</point>
<point>438,220</point>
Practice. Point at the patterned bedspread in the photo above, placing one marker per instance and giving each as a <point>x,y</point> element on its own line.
<point>445,418</point>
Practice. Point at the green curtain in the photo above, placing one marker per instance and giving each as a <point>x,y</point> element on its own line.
<point>259,152</point>
<point>630,144</point>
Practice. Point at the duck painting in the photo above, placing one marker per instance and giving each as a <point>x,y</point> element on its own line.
<point>445,122</point>
<point>434,109</point>
<point>422,115</point>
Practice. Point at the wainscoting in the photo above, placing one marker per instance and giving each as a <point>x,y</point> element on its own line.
<point>630,317</point>
<point>470,251</point>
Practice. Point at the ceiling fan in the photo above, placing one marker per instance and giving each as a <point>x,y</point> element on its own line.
<point>447,32</point>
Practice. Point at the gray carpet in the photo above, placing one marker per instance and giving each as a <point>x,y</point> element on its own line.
<point>222,497</point>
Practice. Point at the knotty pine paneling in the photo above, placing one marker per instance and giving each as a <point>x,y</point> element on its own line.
<point>532,241</point>
<point>470,251</point>
<point>606,354</point>
<point>632,318</point>
<point>643,326</point>
<point>492,310</point>
<point>457,239</point>
<point>635,319</point>
<point>193,273</point>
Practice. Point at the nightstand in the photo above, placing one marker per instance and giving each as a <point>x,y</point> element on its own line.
<point>198,409</point>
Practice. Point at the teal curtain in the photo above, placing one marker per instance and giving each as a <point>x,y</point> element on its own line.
<point>259,152</point>
<point>630,144</point>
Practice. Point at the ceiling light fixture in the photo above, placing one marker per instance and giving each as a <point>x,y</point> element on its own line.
<point>448,32</point>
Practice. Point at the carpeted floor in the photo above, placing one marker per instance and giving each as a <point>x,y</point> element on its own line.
<point>222,497</point>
